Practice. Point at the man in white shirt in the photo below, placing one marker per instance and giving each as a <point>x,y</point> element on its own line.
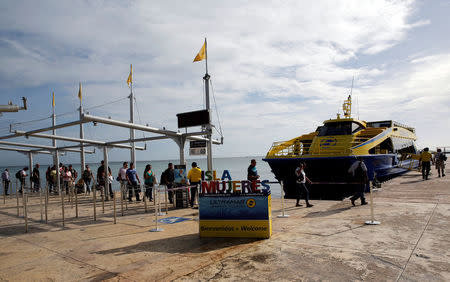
<point>359,172</point>
<point>122,177</point>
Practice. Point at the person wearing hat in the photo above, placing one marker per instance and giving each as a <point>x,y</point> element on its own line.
<point>194,177</point>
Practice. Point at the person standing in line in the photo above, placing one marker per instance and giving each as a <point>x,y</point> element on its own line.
<point>6,180</point>
<point>359,172</point>
<point>47,176</point>
<point>301,185</point>
<point>73,172</point>
<point>439,160</point>
<point>122,177</point>
<point>36,178</point>
<point>53,180</point>
<point>426,158</point>
<point>67,178</point>
<point>194,177</point>
<point>168,178</point>
<point>252,173</point>
<point>22,175</point>
<point>87,178</point>
<point>149,179</point>
<point>101,177</point>
<point>133,180</point>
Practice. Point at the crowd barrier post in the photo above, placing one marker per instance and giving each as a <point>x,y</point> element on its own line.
<point>94,192</point>
<point>46,204</point>
<point>145,202</point>
<point>76,203</point>
<point>372,221</point>
<point>4,193</point>
<point>165,199</point>
<point>160,213</point>
<point>283,214</point>
<point>121,197</point>
<point>40,203</point>
<point>62,206</point>
<point>156,229</point>
<point>154,198</point>
<point>114,206</point>
<point>17,198</point>
<point>126,196</point>
<point>24,203</point>
<point>103,201</point>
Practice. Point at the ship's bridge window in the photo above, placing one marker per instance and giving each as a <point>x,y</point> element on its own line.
<point>356,127</point>
<point>339,128</point>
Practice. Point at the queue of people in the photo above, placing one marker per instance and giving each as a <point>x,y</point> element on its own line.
<point>131,182</point>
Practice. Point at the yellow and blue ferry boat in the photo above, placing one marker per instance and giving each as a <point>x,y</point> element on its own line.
<point>387,148</point>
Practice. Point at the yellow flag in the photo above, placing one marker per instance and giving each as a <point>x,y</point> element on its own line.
<point>79,93</point>
<point>53,100</point>
<point>201,54</point>
<point>130,77</point>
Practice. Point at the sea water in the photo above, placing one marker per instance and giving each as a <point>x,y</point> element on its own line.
<point>236,166</point>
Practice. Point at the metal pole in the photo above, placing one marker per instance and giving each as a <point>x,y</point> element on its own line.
<point>62,207</point>
<point>40,203</point>
<point>145,200</point>
<point>156,229</point>
<point>114,205</point>
<point>165,195</point>
<point>133,146</point>
<point>46,203</point>
<point>82,159</point>
<point>121,197</point>
<point>30,159</point>
<point>103,202</point>
<point>208,126</point>
<point>106,170</point>
<point>372,221</point>
<point>76,203</point>
<point>24,203</point>
<point>17,198</point>
<point>58,172</point>
<point>282,215</point>
<point>94,190</point>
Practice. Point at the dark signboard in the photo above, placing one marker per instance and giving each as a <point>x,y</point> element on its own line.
<point>198,144</point>
<point>193,118</point>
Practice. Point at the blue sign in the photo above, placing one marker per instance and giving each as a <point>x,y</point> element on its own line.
<point>172,219</point>
<point>243,207</point>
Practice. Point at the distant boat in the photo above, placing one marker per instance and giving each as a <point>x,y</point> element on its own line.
<point>387,148</point>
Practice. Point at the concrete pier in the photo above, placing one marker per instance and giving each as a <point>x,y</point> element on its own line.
<point>326,242</point>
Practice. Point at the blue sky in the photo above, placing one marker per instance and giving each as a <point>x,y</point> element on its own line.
<point>278,69</point>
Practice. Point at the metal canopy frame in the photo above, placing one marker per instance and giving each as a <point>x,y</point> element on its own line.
<point>177,137</point>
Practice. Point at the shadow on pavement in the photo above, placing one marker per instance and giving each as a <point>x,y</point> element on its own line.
<point>179,244</point>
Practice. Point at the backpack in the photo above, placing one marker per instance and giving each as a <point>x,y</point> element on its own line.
<point>18,174</point>
<point>442,157</point>
<point>360,174</point>
<point>86,174</point>
<point>149,179</point>
<point>163,178</point>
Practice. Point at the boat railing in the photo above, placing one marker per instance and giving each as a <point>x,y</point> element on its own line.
<point>289,148</point>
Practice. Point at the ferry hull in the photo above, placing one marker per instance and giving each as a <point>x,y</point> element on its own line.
<point>330,174</point>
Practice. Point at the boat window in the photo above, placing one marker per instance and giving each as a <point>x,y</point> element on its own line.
<point>336,128</point>
<point>356,127</point>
